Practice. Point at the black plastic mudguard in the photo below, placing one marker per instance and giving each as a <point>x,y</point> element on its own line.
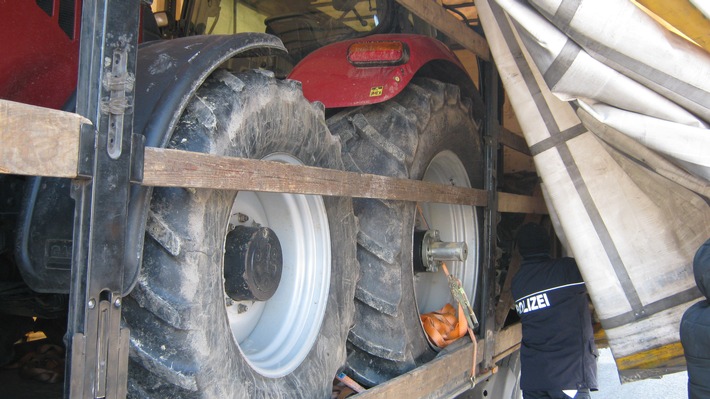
<point>167,76</point>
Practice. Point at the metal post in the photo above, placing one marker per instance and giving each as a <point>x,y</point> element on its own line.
<point>491,130</point>
<point>98,347</point>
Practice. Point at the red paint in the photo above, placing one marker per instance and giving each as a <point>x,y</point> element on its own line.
<point>328,77</point>
<point>38,62</point>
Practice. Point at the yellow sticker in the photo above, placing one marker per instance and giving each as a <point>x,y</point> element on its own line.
<point>376,91</point>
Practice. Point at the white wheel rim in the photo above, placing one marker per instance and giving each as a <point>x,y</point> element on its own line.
<point>456,223</point>
<point>275,336</point>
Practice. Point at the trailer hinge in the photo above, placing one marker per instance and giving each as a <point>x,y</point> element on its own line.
<point>108,351</point>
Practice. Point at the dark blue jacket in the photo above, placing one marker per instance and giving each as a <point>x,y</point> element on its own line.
<point>695,329</point>
<point>558,350</point>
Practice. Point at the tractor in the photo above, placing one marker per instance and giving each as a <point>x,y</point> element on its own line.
<point>258,294</point>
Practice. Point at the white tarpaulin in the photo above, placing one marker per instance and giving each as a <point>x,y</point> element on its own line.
<point>615,110</point>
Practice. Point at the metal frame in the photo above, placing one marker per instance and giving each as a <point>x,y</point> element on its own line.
<point>491,132</point>
<point>98,349</point>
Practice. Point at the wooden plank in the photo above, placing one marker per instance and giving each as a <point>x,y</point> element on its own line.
<point>470,63</point>
<point>442,377</point>
<point>442,20</point>
<point>512,140</point>
<point>664,356</point>
<point>507,341</point>
<point>515,203</point>
<point>38,141</point>
<point>174,168</point>
<point>505,301</point>
<point>446,374</point>
<point>43,142</point>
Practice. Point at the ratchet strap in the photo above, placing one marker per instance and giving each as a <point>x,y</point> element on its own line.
<point>447,324</point>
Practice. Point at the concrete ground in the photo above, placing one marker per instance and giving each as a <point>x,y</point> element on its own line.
<point>671,386</point>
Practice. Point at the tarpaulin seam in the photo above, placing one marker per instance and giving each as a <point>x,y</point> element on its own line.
<point>653,308</point>
<point>561,63</point>
<point>636,69</point>
<point>557,139</point>
<point>566,11</point>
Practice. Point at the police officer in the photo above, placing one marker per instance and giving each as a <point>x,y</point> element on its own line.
<point>695,329</point>
<point>558,355</point>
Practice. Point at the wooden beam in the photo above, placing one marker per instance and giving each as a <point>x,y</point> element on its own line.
<point>512,140</point>
<point>38,141</point>
<point>506,300</point>
<point>515,203</point>
<point>173,168</point>
<point>446,23</point>
<point>507,341</point>
<point>43,142</point>
<point>447,374</point>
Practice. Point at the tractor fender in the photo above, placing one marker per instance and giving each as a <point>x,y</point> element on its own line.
<point>328,76</point>
<point>168,74</point>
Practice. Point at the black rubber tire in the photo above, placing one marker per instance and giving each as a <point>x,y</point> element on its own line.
<point>398,138</point>
<point>181,343</point>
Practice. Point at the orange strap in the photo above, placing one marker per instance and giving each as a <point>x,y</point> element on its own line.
<point>445,325</point>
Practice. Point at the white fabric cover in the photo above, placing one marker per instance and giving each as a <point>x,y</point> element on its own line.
<point>615,110</point>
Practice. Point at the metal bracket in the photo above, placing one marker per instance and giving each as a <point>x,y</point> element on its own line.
<point>137,157</point>
<point>110,157</point>
<point>491,129</point>
<point>110,370</point>
<point>87,141</point>
<point>460,295</point>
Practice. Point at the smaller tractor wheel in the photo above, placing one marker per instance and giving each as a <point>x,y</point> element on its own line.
<point>425,133</point>
<point>245,295</point>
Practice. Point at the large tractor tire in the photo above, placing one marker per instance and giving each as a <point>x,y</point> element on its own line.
<point>425,133</point>
<point>209,316</point>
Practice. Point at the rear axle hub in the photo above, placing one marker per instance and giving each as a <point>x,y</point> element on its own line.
<point>430,251</point>
<point>253,263</point>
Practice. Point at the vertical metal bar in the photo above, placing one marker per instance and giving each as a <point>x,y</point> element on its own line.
<point>491,131</point>
<point>98,345</point>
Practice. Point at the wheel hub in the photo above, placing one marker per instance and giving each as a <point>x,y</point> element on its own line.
<point>430,251</point>
<point>253,263</point>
